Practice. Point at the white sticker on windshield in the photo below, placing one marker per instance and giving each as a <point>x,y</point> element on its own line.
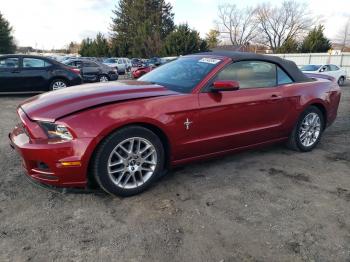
<point>209,61</point>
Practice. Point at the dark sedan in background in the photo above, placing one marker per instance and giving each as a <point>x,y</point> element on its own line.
<point>93,71</point>
<point>34,74</point>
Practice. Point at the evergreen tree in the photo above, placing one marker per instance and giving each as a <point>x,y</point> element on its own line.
<point>183,40</point>
<point>289,46</point>
<point>97,47</point>
<point>140,27</point>
<point>100,46</point>
<point>316,41</point>
<point>86,47</point>
<point>7,44</point>
<point>212,38</point>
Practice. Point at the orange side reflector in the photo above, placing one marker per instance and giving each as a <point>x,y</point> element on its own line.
<point>68,164</point>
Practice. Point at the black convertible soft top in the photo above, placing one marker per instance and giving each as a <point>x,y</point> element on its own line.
<point>289,66</point>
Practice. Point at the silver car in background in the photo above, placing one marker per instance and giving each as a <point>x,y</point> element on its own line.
<point>122,64</point>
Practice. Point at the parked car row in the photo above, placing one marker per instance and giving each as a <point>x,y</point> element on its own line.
<point>93,71</point>
<point>26,73</point>
<point>149,65</point>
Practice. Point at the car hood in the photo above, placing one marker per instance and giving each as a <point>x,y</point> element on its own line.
<point>57,104</point>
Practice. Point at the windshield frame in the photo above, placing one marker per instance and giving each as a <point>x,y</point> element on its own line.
<point>199,84</point>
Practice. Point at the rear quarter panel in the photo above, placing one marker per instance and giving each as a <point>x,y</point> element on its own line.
<point>321,92</point>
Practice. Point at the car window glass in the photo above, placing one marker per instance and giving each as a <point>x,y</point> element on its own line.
<point>9,62</point>
<point>282,77</point>
<point>89,64</point>
<point>250,74</point>
<point>325,68</point>
<point>120,61</point>
<point>334,68</point>
<point>310,67</point>
<point>33,63</point>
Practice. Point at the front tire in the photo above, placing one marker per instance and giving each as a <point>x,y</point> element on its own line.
<point>341,81</point>
<point>308,130</point>
<point>103,78</point>
<point>128,161</point>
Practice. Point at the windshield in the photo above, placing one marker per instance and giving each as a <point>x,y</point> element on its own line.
<point>181,75</point>
<point>310,67</point>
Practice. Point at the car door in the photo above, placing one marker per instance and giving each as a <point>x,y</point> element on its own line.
<point>326,70</point>
<point>10,80</point>
<point>335,71</point>
<point>251,115</point>
<point>35,73</point>
<point>90,71</point>
<point>121,65</point>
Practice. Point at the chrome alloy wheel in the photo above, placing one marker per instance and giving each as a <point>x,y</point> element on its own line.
<point>58,85</point>
<point>310,129</point>
<point>103,79</point>
<point>132,162</point>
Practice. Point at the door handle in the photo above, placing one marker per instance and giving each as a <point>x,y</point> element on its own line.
<point>275,97</point>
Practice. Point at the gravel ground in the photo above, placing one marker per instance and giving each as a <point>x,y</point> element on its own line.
<point>262,205</point>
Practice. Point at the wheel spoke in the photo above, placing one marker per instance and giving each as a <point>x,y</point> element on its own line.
<point>116,163</point>
<point>120,178</point>
<point>134,178</point>
<point>145,149</point>
<point>138,147</point>
<point>131,146</point>
<point>117,170</point>
<point>147,169</point>
<point>149,154</point>
<point>124,149</point>
<point>149,162</point>
<point>119,155</point>
<point>126,180</point>
<point>141,176</point>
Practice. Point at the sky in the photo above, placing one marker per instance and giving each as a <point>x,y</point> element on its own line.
<point>47,24</point>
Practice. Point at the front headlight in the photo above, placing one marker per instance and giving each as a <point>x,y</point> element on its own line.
<point>56,131</point>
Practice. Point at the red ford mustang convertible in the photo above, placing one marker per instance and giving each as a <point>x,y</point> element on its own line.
<point>124,135</point>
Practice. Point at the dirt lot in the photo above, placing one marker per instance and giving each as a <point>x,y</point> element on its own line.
<point>262,205</point>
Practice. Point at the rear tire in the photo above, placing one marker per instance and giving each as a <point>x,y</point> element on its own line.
<point>57,84</point>
<point>307,131</point>
<point>128,161</point>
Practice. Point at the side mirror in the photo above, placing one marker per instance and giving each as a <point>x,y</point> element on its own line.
<point>322,69</point>
<point>225,85</point>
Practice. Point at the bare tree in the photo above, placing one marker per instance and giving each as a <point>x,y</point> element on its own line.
<point>344,35</point>
<point>239,25</point>
<point>279,24</point>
